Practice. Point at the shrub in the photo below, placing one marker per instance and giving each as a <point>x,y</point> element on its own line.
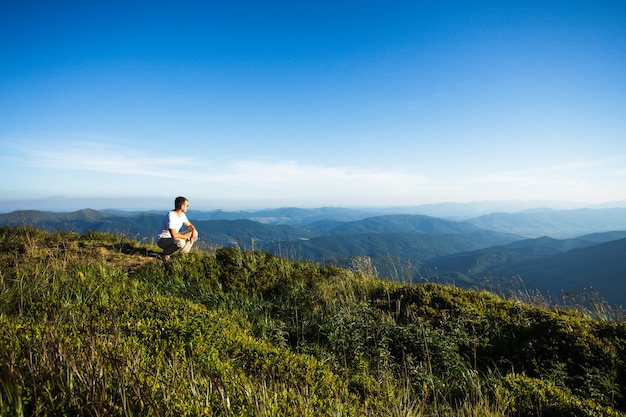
<point>528,396</point>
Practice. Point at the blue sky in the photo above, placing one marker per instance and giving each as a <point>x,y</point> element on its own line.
<point>284,103</point>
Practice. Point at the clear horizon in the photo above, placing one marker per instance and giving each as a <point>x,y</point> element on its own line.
<point>340,104</point>
<point>448,207</point>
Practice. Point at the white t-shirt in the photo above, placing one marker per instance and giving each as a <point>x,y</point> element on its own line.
<point>171,221</point>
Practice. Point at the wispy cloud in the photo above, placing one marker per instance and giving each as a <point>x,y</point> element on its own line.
<point>570,174</point>
<point>265,176</point>
<point>523,180</point>
<point>279,174</point>
<point>289,181</point>
<point>106,158</point>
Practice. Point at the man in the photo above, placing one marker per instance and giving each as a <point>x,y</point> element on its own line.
<point>169,237</point>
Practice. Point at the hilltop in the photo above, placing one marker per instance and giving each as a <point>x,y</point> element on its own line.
<point>96,324</point>
<point>492,250</point>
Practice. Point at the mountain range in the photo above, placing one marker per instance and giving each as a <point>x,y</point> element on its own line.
<point>558,252</point>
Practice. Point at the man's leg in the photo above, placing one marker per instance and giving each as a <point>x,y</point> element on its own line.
<point>170,246</point>
<point>188,243</point>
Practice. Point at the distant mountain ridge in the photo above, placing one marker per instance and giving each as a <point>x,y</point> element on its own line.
<point>528,223</point>
<point>401,248</point>
<point>289,215</point>
<point>402,223</point>
<point>572,271</point>
<point>554,223</point>
<point>549,265</point>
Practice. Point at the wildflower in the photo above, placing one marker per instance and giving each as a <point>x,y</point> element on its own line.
<point>81,276</point>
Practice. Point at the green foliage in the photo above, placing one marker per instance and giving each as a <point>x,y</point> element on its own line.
<point>530,396</point>
<point>250,272</point>
<point>93,325</point>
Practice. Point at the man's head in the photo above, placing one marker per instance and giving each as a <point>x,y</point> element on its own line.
<point>179,202</point>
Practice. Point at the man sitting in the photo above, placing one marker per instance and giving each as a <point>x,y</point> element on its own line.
<point>169,237</point>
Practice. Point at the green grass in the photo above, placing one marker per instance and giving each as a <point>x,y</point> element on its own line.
<point>96,325</point>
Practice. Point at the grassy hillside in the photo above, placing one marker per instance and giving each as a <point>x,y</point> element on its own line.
<point>94,324</point>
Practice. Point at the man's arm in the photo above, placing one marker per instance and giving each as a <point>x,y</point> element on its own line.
<point>176,235</point>
<point>191,230</point>
<point>190,226</point>
<point>186,235</point>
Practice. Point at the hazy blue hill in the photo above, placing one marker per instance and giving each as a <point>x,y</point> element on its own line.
<point>289,215</point>
<point>18,218</point>
<point>26,217</point>
<point>144,224</point>
<point>401,223</point>
<point>547,246</point>
<point>245,233</point>
<point>496,259</point>
<point>469,210</point>
<point>554,223</point>
<point>416,247</point>
<point>88,214</point>
<point>126,213</point>
<point>490,261</point>
<point>604,237</point>
<point>601,266</point>
<point>474,265</point>
<point>323,226</point>
<point>139,226</point>
<point>56,221</point>
<point>549,265</point>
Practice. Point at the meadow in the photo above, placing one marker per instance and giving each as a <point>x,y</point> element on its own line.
<point>96,324</point>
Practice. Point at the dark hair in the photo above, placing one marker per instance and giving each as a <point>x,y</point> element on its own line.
<point>178,203</point>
